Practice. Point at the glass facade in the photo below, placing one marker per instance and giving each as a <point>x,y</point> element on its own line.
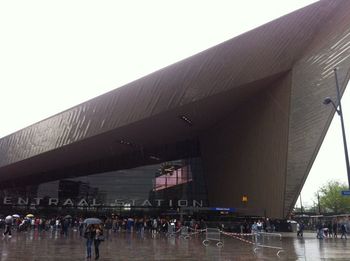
<point>154,188</point>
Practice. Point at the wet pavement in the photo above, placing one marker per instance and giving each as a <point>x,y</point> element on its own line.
<point>132,246</point>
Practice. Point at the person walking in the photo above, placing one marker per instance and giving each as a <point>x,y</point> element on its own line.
<point>298,229</point>
<point>97,240</point>
<point>260,226</point>
<point>89,234</point>
<point>8,225</point>
<point>335,229</point>
<point>302,227</point>
<point>81,226</point>
<point>254,231</point>
<point>319,228</point>
<point>65,226</point>
<point>343,230</point>
<point>108,227</point>
<point>154,227</point>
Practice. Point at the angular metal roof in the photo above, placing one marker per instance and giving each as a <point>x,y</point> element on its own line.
<point>205,88</point>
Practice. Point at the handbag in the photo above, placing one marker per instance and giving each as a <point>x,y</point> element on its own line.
<point>101,237</point>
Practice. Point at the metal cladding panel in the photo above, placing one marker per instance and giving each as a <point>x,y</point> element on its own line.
<point>265,51</point>
<point>308,42</point>
<point>246,153</point>
<point>313,80</point>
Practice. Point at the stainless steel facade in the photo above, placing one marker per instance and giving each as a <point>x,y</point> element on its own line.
<point>253,106</point>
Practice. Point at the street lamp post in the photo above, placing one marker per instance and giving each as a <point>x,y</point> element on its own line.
<point>339,111</point>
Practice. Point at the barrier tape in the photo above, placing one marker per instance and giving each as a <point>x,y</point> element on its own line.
<point>197,230</point>
<point>258,233</point>
<point>242,234</point>
<point>270,234</point>
<point>250,242</point>
<point>236,237</point>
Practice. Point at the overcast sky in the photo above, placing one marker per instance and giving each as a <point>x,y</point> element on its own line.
<point>57,54</point>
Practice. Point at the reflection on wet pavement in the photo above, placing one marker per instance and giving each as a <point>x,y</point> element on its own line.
<point>48,245</point>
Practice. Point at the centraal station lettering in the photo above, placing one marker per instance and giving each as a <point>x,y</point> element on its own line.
<point>83,202</point>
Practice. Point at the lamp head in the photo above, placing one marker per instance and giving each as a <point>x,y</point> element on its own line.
<point>327,100</point>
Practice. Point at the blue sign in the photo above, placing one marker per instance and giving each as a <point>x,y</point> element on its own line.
<point>224,209</point>
<point>345,193</point>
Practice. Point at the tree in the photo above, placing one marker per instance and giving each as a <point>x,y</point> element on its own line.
<point>331,199</point>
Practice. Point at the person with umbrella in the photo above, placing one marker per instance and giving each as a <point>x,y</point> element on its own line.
<point>97,240</point>
<point>93,233</point>
<point>65,225</point>
<point>16,221</point>
<point>89,234</point>
<point>23,224</point>
<point>8,225</point>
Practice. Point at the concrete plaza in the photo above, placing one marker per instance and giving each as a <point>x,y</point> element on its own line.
<point>32,245</point>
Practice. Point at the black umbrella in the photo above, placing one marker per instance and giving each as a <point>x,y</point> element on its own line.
<point>67,217</point>
<point>92,221</point>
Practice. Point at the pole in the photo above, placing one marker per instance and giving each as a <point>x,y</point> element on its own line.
<point>301,204</point>
<point>318,200</point>
<point>342,128</point>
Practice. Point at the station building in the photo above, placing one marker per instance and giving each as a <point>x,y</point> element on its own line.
<point>235,128</point>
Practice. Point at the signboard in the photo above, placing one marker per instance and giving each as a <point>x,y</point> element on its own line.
<point>224,209</point>
<point>93,202</point>
<point>345,193</point>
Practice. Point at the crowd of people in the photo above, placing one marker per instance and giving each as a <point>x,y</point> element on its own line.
<point>96,232</point>
<point>154,225</point>
<point>324,228</point>
<point>331,230</point>
<point>116,223</point>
